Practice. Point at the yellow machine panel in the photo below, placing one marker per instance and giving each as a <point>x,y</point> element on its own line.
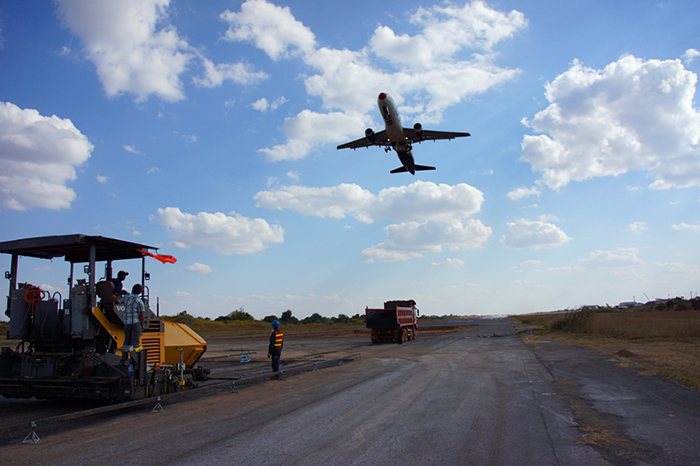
<point>181,337</point>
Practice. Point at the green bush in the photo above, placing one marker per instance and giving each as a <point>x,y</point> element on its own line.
<point>574,321</point>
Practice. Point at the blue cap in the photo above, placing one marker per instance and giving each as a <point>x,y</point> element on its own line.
<point>275,324</point>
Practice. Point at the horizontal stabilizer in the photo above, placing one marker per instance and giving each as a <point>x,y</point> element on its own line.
<point>423,167</point>
<point>399,170</point>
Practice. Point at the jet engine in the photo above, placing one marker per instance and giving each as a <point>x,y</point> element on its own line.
<point>418,128</point>
<point>369,134</point>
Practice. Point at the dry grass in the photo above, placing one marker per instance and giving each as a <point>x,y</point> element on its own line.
<point>665,343</point>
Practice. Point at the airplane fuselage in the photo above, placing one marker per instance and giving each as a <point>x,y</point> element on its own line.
<point>394,131</point>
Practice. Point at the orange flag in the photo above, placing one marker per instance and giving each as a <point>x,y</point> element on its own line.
<point>161,257</point>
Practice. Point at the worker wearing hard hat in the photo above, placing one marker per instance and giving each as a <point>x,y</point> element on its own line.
<point>274,351</point>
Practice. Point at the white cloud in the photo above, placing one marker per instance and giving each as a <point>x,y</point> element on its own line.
<point>152,170</point>
<point>691,55</point>
<point>263,106</point>
<point>616,258</point>
<point>38,157</point>
<point>239,73</point>
<point>135,49</point>
<point>686,226</point>
<point>536,234</point>
<point>199,268</point>
<point>271,28</point>
<point>427,66</point>
<point>450,263</point>
<point>633,115</point>
<point>102,179</point>
<point>408,240</point>
<point>121,39</point>
<point>446,30</point>
<point>432,214</point>
<point>132,149</point>
<point>218,232</point>
<point>679,268</point>
<point>577,268</point>
<point>523,192</point>
<point>419,201</point>
<point>638,227</point>
<point>309,129</point>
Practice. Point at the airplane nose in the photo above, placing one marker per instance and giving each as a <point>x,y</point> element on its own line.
<point>382,96</point>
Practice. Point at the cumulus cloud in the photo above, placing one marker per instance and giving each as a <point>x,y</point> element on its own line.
<point>408,240</point>
<point>618,257</point>
<point>418,201</point>
<point>523,192</point>
<point>638,227</point>
<point>691,55</point>
<point>308,129</point>
<point>132,149</point>
<point>199,268</point>
<point>38,158</point>
<point>130,54</point>
<point>450,263</point>
<point>445,31</point>
<point>271,28</point>
<point>239,73</point>
<point>262,105</point>
<point>432,214</point>
<point>535,234</point>
<point>218,232</point>
<point>427,66</point>
<point>686,226</point>
<point>633,115</point>
<point>135,50</point>
<point>102,179</point>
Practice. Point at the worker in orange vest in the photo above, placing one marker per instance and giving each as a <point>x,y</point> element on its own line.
<point>274,351</point>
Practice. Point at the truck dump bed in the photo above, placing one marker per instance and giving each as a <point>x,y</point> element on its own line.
<point>395,322</point>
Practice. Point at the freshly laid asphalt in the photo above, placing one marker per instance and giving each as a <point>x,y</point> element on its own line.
<point>479,395</point>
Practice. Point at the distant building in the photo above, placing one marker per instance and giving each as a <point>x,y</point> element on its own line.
<point>629,304</point>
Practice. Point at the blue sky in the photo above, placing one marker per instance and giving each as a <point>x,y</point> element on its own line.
<point>209,130</point>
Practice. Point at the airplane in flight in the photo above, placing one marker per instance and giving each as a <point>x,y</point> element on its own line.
<point>399,138</point>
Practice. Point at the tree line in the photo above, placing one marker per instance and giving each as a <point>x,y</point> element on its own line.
<point>285,318</point>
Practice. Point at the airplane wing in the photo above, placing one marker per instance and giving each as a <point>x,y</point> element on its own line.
<point>380,139</point>
<point>429,135</point>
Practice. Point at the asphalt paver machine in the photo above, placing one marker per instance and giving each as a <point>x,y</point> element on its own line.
<point>71,347</point>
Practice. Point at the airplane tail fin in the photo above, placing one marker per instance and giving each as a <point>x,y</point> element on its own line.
<point>399,170</point>
<point>424,167</point>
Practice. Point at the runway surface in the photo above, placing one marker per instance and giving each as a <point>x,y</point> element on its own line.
<point>446,398</point>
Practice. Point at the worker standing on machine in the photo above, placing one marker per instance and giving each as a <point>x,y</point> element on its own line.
<point>274,351</point>
<point>133,321</point>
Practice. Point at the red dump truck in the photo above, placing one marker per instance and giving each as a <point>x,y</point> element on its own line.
<point>397,322</point>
